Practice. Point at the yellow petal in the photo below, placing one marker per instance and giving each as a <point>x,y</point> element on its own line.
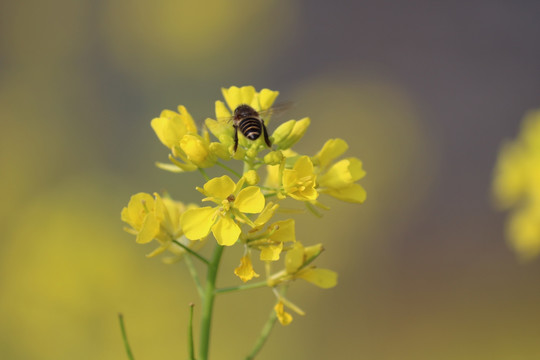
<point>284,317</point>
<point>332,149</point>
<point>196,223</point>
<point>272,178</point>
<point>294,258</point>
<point>168,131</point>
<point>250,200</point>
<point>245,270</point>
<point>311,252</point>
<point>271,252</point>
<point>220,187</point>
<point>226,231</point>
<point>353,193</point>
<point>323,278</point>
<point>149,229</point>
<point>303,167</point>
<point>266,214</point>
<point>187,119</point>
<point>285,231</point>
<point>235,96</point>
<point>267,98</point>
<point>223,115</point>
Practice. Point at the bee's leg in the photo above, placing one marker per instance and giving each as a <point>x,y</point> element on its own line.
<point>235,138</point>
<point>265,133</point>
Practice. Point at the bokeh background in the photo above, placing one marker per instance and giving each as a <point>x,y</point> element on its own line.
<point>424,92</point>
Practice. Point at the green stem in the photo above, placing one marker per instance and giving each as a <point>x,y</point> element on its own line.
<point>194,275</point>
<point>124,336</point>
<point>263,336</point>
<point>194,253</point>
<point>208,302</point>
<point>242,287</point>
<point>229,169</point>
<point>204,174</point>
<point>190,333</point>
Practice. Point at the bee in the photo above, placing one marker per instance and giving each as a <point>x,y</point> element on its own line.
<point>251,125</point>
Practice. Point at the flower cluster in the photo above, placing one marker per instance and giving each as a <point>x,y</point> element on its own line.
<point>516,186</point>
<point>244,206</point>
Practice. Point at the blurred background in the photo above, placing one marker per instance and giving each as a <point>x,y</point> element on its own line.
<point>424,92</point>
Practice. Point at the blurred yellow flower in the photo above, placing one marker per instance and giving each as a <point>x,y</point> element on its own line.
<point>156,218</point>
<point>170,127</point>
<point>339,180</point>
<point>233,202</point>
<point>516,184</point>
<point>297,266</point>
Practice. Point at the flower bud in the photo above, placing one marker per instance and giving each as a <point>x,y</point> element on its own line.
<point>252,152</point>
<point>252,178</point>
<point>220,150</point>
<point>239,154</point>
<point>273,157</point>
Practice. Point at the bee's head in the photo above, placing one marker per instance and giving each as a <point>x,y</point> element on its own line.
<point>244,111</point>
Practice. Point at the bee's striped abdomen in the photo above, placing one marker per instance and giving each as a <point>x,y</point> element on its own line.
<point>251,128</point>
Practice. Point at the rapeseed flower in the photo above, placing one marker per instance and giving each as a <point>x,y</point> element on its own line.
<point>339,179</point>
<point>300,181</point>
<point>189,149</point>
<point>232,201</point>
<point>516,186</point>
<point>156,218</point>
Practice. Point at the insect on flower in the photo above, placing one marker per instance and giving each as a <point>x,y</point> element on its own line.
<point>251,125</point>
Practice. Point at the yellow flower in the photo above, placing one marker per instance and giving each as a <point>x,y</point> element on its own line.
<point>300,181</point>
<point>270,242</point>
<point>516,184</point>
<point>245,270</point>
<point>189,150</point>
<point>233,202</point>
<point>339,180</point>
<point>156,218</point>
<point>297,266</point>
<point>170,126</point>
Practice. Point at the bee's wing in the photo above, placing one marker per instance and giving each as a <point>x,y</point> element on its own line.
<point>225,119</point>
<point>265,114</point>
<point>276,110</point>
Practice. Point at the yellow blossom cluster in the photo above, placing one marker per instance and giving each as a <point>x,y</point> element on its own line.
<point>243,208</point>
<point>516,186</point>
